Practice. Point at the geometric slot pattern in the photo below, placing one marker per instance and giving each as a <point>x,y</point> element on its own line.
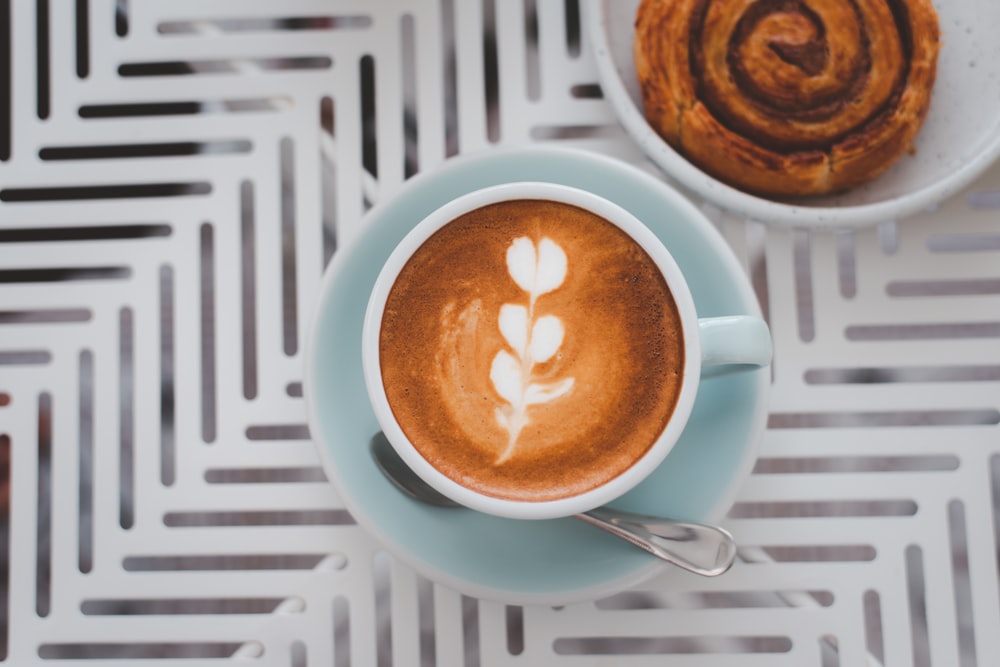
<point>175,175</point>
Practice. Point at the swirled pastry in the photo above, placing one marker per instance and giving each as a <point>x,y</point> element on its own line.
<point>787,97</point>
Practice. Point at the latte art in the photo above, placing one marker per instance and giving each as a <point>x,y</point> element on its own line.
<point>531,350</point>
<point>533,341</point>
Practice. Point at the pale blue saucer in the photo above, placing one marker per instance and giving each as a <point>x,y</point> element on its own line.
<point>521,562</point>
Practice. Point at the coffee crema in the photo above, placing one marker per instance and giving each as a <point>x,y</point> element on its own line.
<point>531,350</point>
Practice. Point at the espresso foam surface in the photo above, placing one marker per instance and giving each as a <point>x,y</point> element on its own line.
<point>531,350</point>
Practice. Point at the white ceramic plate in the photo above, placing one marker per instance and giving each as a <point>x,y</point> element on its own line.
<point>959,140</point>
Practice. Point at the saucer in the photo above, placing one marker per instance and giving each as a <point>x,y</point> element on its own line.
<point>518,561</point>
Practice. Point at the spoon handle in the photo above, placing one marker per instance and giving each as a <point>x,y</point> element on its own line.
<point>702,549</point>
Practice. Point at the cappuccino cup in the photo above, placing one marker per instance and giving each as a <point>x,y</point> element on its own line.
<point>532,350</point>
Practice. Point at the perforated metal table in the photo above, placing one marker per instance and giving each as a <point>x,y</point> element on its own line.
<point>174,176</point>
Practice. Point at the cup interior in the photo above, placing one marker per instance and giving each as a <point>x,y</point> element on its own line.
<point>638,232</point>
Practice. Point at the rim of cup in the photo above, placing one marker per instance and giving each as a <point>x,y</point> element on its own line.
<point>639,233</point>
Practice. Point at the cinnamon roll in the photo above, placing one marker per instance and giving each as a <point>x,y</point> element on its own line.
<point>787,97</point>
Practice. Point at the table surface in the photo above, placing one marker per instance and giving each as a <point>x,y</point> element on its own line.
<point>174,176</point>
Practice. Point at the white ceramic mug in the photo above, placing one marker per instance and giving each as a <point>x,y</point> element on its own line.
<point>733,341</point>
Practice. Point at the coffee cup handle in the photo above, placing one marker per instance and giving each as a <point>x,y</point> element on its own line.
<point>735,340</point>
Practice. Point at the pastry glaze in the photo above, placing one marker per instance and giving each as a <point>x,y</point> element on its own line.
<point>787,97</point>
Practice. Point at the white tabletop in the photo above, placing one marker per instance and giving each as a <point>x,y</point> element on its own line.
<point>175,174</point>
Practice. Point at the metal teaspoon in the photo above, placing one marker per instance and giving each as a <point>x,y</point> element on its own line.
<point>700,548</point>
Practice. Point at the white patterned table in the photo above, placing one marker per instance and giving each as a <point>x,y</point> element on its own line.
<point>174,175</point>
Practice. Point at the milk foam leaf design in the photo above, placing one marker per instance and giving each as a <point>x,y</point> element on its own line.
<point>537,271</point>
<point>551,267</point>
<point>514,326</point>
<point>505,373</point>
<point>546,338</point>
<point>543,393</point>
